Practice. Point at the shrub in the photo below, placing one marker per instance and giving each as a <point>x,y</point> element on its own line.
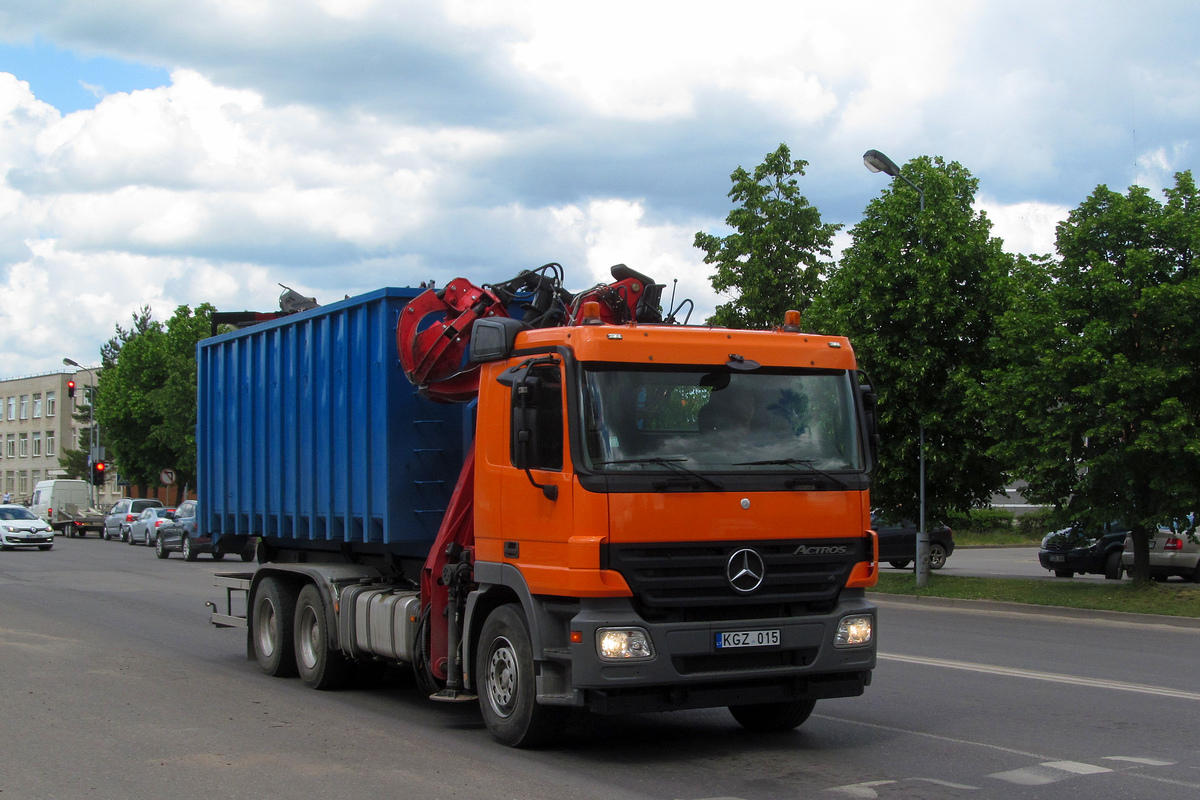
<point>1037,523</point>
<point>981,520</point>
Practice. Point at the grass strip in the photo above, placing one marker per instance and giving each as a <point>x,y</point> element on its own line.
<point>1173,599</point>
<point>995,538</point>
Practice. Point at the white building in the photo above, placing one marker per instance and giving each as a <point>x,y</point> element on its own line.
<point>36,425</point>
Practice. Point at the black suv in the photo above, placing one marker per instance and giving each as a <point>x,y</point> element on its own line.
<point>1085,549</point>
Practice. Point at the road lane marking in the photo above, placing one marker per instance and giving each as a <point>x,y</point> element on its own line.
<point>934,736</point>
<point>1149,762</point>
<point>1052,677</point>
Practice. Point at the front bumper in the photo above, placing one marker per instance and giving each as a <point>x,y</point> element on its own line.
<point>1073,560</point>
<point>23,540</point>
<point>688,670</point>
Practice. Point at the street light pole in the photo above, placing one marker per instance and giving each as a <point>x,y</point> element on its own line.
<point>93,446</point>
<point>878,162</point>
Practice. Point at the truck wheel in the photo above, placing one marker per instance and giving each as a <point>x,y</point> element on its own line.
<point>937,555</point>
<point>899,564</point>
<point>160,549</point>
<point>1112,566</point>
<point>320,666</point>
<point>271,628</point>
<point>189,552</point>
<point>507,691</point>
<point>773,717</point>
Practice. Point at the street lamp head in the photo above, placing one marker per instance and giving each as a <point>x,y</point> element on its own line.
<point>878,162</point>
<point>72,363</point>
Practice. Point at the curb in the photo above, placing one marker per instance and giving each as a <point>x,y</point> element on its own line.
<point>882,598</point>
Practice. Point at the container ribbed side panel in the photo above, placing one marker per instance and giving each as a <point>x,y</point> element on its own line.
<point>309,434</point>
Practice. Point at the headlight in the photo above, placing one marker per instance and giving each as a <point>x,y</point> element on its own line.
<point>9,528</point>
<point>854,631</point>
<point>621,644</point>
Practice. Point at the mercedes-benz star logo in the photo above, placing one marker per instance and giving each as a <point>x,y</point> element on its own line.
<point>745,571</point>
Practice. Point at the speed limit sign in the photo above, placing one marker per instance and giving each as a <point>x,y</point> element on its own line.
<point>167,477</point>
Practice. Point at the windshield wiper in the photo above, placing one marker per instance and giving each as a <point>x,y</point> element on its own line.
<point>670,462</point>
<point>794,462</point>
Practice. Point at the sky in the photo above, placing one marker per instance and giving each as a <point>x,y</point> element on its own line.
<point>160,154</point>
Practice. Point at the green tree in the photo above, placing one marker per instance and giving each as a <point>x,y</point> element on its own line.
<point>919,293</point>
<point>147,396</point>
<point>773,260</point>
<point>1100,401</point>
<point>135,368</point>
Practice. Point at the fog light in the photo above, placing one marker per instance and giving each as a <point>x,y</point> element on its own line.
<point>620,644</point>
<point>854,631</point>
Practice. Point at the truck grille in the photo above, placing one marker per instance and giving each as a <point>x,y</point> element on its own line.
<point>803,572</point>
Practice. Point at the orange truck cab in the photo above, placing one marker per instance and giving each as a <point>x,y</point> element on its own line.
<point>679,516</point>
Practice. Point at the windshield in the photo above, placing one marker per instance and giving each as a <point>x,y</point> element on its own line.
<point>16,513</point>
<point>718,421</point>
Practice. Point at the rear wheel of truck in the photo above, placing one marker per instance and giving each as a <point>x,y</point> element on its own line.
<point>506,685</point>
<point>320,666</point>
<point>271,632</point>
<point>773,717</point>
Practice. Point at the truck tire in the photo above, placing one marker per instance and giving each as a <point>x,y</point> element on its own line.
<point>773,717</point>
<point>506,685</point>
<point>320,666</point>
<point>271,631</point>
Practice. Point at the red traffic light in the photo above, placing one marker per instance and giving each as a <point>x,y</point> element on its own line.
<point>70,388</point>
<point>98,470</point>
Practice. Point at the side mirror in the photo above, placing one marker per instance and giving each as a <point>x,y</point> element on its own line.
<point>524,444</point>
<point>494,338</point>
<point>870,406</point>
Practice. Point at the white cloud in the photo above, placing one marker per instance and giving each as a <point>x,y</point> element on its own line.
<point>1026,228</point>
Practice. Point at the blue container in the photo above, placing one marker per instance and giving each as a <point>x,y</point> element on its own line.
<point>309,435</point>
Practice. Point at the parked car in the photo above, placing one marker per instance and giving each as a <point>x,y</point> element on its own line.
<point>20,527</point>
<point>898,541</point>
<point>1172,552</point>
<point>182,533</point>
<point>141,530</point>
<point>120,517</point>
<point>1088,551</point>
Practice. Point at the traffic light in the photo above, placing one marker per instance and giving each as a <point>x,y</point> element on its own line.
<point>70,388</point>
<point>99,469</point>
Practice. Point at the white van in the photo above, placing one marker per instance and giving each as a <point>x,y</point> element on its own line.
<point>64,504</point>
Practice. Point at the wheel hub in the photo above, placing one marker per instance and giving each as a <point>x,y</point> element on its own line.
<point>502,677</point>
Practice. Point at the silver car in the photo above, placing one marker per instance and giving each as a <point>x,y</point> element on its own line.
<point>142,529</point>
<point>1172,552</point>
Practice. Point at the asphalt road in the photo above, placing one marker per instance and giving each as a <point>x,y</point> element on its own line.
<point>113,685</point>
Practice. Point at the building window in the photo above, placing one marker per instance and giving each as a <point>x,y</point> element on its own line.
<point>36,476</point>
<point>50,444</point>
<point>24,406</point>
<point>10,448</point>
<point>22,445</point>
<point>23,482</point>
<point>12,408</point>
<point>10,481</point>
<point>37,444</point>
<point>37,405</point>
<point>50,404</point>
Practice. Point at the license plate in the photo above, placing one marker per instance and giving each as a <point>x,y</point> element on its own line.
<point>747,639</point>
<point>1058,558</point>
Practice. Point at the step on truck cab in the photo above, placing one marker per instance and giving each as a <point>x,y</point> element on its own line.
<point>626,517</point>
